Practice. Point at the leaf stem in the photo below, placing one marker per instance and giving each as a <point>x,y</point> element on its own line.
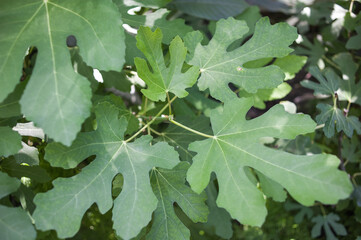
<point>351,6</point>
<point>190,129</point>
<point>151,121</point>
<point>330,62</point>
<point>156,132</point>
<point>323,210</point>
<point>170,107</point>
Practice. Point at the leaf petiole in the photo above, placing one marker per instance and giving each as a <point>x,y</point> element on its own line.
<point>151,121</point>
<point>190,129</point>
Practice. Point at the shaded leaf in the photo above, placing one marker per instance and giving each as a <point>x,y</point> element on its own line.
<point>133,208</point>
<point>219,67</point>
<point>218,218</point>
<point>263,95</point>
<point>236,146</point>
<point>16,170</point>
<point>302,211</point>
<point>333,117</point>
<point>330,225</point>
<point>169,187</point>
<point>163,79</point>
<point>329,81</point>
<point>10,107</point>
<point>211,9</point>
<point>180,138</point>
<point>351,149</point>
<point>55,91</point>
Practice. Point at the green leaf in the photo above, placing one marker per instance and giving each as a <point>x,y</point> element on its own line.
<point>329,81</point>
<point>15,224</point>
<point>219,67</point>
<point>330,225</point>
<point>133,122</point>
<point>349,89</point>
<point>236,146</point>
<point>271,188</point>
<point>55,91</point>
<point>315,51</point>
<point>10,142</point>
<point>291,65</point>
<point>351,149</point>
<point>7,184</point>
<point>162,79</point>
<point>354,41</point>
<point>218,218</point>
<point>169,187</point>
<point>263,95</point>
<point>333,117</point>
<point>133,208</point>
<point>201,101</point>
<point>211,9</point>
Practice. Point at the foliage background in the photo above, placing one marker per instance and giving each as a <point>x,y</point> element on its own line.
<point>322,80</point>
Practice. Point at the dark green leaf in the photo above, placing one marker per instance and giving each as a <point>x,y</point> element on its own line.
<point>211,9</point>
<point>7,184</point>
<point>330,225</point>
<point>169,187</point>
<point>329,81</point>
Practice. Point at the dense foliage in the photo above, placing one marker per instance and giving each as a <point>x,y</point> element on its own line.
<point>177,119</point>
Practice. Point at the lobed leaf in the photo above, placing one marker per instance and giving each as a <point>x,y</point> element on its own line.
<point>71,197</point>
<point>55,92</point>
<point>328,84</point>
<point>162,79</point>
<point>235,146</point>
<point>219,67</point>
<point>333,118</point>
<point>169,187</point>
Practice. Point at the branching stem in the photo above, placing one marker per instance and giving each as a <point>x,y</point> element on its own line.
<point>151,121</point>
